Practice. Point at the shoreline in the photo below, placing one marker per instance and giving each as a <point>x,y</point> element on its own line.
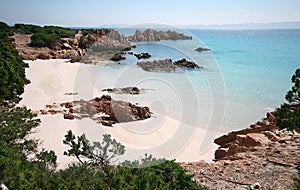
<point>51,79</point>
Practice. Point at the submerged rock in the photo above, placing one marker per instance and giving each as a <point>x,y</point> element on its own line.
<point>200,49</point>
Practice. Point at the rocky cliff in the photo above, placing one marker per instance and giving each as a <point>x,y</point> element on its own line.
<point>150,35</point>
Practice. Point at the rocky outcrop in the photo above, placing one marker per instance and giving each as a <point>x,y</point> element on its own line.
<point>64,50</point>
<point>150,35</point>
<point>243,140</point>
<point>268,166</point>
<point>103,110</point>
<point>75,48</point>
<point>201,49</point>
<point>126,90</point>
<point>142,55</point>
<point>113,41</point>
<point>166,65</point>
<point>259,157</point>
<point>185,63</point>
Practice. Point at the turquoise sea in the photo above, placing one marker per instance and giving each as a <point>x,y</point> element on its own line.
<point>246,74</point>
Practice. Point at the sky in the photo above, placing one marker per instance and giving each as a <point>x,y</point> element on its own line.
<point>93,13</point>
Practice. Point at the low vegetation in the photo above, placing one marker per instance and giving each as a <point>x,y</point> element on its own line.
<point>12,69</point>
<point>288,114</point>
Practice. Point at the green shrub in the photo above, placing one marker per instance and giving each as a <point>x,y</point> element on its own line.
<point>288,115</point>
<point>27,28</point>
<point>44,40</point>
<point>12,73</point>
<point>60,31</point>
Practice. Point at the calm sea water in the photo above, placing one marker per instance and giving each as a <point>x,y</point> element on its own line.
<point>246,74</point>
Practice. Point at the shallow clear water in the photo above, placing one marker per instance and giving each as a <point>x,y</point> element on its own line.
<point>246,74</point>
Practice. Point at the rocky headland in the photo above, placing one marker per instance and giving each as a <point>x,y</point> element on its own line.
<point>150,35</point>
<point>92,47</point>
<point>103,110</point>
<point>83,45</point>
<point>258,157</point>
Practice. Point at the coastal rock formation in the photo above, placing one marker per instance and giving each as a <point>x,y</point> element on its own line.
<point>243,140</point>
<point>162,65</point>
<point>166,65</point>
<point>126,90</point>
<point>112,41</point>
<point>103,110</point>
<point>142,55</point>
<point>259,157</point>
<point>64,50</point>
<point>185,63</point>
<point>201,49</point>
<point>150,35</point>
<point>103,40</point>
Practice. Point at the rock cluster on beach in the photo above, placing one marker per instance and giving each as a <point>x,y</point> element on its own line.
<point>166,65</point>
<point>259,157</point>
<point>150,35</point>
<point>103,110</point>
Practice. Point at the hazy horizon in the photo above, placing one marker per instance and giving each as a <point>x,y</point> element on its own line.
<point>93,13</point>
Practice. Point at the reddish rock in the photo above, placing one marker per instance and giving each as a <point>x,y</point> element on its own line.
<point>27,81</point>
<point>251,139</point>
<point>69,116</point>
<point>220,153</point>
<point>115,111</point>
<point>243,140</point>
<point>271,136</point>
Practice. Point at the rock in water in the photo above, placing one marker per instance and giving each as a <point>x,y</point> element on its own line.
<point>200,49</point>
<point>142,55</point>
<point>118,57</point>
<point>126,90</point>
<point>185,63</point>
<point>162,65</point>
